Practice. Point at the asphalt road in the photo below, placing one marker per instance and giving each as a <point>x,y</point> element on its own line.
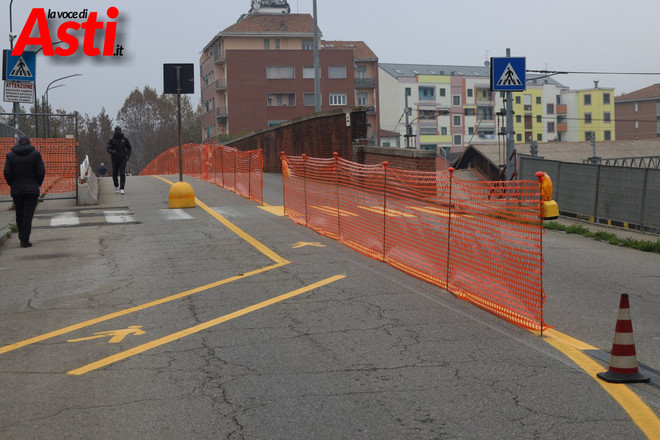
<point>234,323</point>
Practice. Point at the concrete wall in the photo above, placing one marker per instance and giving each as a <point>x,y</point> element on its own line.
<point>402,158</point>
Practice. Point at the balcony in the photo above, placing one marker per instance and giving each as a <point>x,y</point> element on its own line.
<point>221,112</point>
<point>365,83</point>
<point>219,56</point>
<point>561,109</point>
<point>220,84</point>
<point>562,127</point>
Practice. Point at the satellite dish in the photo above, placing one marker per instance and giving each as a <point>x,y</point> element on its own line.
<point>487,63</point>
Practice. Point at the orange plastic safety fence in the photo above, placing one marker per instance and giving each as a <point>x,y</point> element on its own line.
<point>238,171</point>
<point>60,159</point>
<point>481,241</point>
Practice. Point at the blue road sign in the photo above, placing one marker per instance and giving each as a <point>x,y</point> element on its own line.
<point>508,74</point>
<point>21,67</point>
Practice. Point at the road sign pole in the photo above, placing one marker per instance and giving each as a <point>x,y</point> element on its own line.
<point>178,103</point>
<point>510,142</point>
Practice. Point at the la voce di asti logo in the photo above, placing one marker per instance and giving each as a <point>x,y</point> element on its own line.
<point>65,33</point>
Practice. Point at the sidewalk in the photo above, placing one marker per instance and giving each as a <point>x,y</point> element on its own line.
<point>8,216</point>
<point>621,233</point>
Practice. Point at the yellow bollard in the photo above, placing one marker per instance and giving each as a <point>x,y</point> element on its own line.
<point>182,195</point>
<point>549,210</point>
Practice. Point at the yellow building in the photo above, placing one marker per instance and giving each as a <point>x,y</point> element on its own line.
<point>589,115</point>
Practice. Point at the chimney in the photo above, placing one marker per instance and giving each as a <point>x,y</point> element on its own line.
<point>595,84</point>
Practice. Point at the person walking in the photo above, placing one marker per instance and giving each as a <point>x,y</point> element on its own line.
<point>120,151</point>
<point>24,172</point>
<point>102,170</point>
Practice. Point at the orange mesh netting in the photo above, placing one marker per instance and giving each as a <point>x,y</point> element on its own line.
<point>59,156</point>
<point>480,240</point>
<point>238,171</point>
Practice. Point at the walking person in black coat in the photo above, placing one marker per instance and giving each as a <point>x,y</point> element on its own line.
<point>24,172</point>
<point>120,151</point>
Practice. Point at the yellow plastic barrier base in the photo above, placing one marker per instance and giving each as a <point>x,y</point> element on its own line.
<point>550,210</point>
<point>182,195</point>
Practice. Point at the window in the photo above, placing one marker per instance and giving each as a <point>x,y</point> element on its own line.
<point>538,100</point>
<point>636,124</point>
<point>538,119</point>
<point>587,99</point>
<point>606,98</point>
<point>337,98</point>
<point>308,99</point>
<point>470,112</point>
<point>426,93</point>
<point>266,44</point>
<point>607,117</point>
<point>587,118</point>
<point>307,44</point>
<point>456,100</point>
<point>443,131</point>
<point>471,131</point>
<point>361,71</point>
<point>280,72</point>
<point>458,139</point>
<point>608,135</point>
<point>539,137</point>
<point>273,123</point>
<point>636,108</point>
<point>518,119</point>
<point>308,72</point>
<point>426,114</point>
<point>469,93</point>
<point>528,103</point>
<point>277,44</point>
<point>518,99</point>
<point>281,99</point>
<point>443,92</point>
<point>336,72</point>
<point>550,109</point>
<point>457,121</point>
<point>362,99</point>
<point>428,130</point>
<point>551,127</point>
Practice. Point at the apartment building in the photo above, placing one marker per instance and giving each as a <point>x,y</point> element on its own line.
<point>588,114</point>
<point>638,114</point>
<point>260,71</point>
<point>452,107</point>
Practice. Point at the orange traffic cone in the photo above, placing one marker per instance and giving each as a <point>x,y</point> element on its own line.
<point>623,361</point>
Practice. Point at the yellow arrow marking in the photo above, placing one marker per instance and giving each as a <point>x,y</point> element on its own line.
<point>116,336</point>
<point>305,243</point>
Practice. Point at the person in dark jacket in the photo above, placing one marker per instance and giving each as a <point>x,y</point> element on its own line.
<point>24,172</point>
<point>120,151</point>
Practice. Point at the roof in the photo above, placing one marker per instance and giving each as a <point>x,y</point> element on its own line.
<point>387,133</point>
<point>269,23</point>
<point>360,48</point>
<point>576,152</point>
<point>412,70</point>
<point>650,92</point>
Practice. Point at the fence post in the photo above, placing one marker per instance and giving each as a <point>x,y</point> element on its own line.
<point>222,164</point>
<point>451,178</point>
<point>384,208</point>
<point>540,177</point>
<point>597,194</point>
<point>336,156</point>
<point>250,176</point>
<point>642,208</point>
<point>284,177</point>
<point>304,157</point>
<point>235,171</point>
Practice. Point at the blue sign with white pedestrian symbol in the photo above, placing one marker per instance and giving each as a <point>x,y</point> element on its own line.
<point>508,74</point>
<point>21,67</point>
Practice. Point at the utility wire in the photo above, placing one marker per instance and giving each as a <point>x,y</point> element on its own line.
<point>561,72</point>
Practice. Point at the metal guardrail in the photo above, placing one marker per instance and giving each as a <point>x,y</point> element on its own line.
<point>632,162</point>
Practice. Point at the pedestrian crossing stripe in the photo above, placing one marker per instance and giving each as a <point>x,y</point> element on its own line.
<point>21,70</point>
<point>509,77</point>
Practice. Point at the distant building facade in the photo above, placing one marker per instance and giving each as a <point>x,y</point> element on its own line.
<point>259,72</point>
<point>638,114</point>
<point>452,107</point>
<point>588,113</point>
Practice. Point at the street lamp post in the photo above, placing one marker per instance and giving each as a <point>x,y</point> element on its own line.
<point>46,94</point>
<point>36,107</point>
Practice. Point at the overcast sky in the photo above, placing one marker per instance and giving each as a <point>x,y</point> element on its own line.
<point>566,35</point>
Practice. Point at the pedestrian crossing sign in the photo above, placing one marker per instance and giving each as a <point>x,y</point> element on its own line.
<point>19,67</point>
<point>508,74</point>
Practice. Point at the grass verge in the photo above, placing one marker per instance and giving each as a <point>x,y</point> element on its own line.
<point>642,245</point>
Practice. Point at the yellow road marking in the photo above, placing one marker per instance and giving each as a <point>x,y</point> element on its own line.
<point>275,210</point>
<point>124,312</point>
<point>643,416</point>
<point>197,328</point>
<point>307,243</point>
<point>116,336</point>
<point>333,211</point>
<point>389,213</point>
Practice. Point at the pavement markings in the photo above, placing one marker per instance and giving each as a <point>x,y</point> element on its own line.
<point>643,416</point>
<point>119,217</point>
<point>65,219</point>
<point>175,214</point>
<point>198,328</point>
